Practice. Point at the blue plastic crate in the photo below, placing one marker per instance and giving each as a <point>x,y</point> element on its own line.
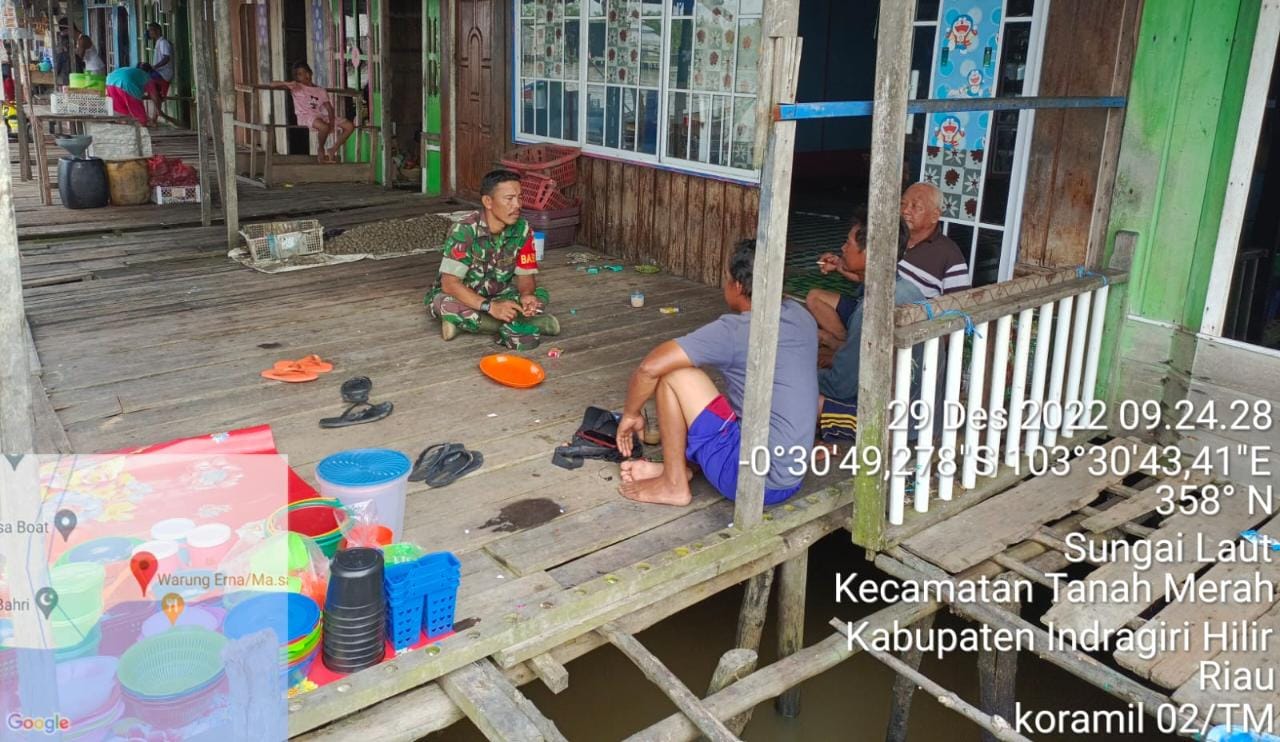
<point>404,621</point>
<point>421,595</point>
<point>439,611</point>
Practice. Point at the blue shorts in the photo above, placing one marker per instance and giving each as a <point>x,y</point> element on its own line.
<point>714,441</point>
<point>846,307</point>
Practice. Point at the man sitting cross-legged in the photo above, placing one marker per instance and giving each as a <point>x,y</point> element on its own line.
<point>488,272</point>
<point>699,423</point>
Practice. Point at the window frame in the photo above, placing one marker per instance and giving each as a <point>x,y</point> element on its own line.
<point>659,160</point>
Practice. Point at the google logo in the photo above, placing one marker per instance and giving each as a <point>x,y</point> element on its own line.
<point>48,725</point>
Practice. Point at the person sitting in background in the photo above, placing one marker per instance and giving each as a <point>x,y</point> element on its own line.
<point>830,308</point>
<point>933,263</point>
<point>9,91</point>
<point>699,423</point>
<point>488,273</point>
<point>314,110</point>
<point>129,88</point>
<point>89,56</point>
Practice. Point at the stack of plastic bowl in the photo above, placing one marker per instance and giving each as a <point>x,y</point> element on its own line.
<point>293,619</point>
<point>75,618</point>
<point>376,476</point>
<point>355,611</point>
<point>421,597</point>
<point>172,679</point>
<point>89,695</point>
<point>320,519</point>
<point>401,553</point>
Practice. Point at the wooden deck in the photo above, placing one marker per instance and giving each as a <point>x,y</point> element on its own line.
<point>1107,510</point>
<point>145,331</point>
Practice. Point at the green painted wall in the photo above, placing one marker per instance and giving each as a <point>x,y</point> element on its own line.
<point>1184,100</point>
<point>432,183</point>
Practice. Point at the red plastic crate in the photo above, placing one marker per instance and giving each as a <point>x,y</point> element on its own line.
<point>557,200</point>
<point>548,160</point>
<point>536,190</point>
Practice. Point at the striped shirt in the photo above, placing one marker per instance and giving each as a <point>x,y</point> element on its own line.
<point>935,266</point>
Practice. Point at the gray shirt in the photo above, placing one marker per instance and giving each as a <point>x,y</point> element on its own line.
<point>840,382</point>
<point>723,345</point>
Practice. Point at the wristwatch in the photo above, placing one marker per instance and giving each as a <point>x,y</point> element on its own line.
<point>484,305</point>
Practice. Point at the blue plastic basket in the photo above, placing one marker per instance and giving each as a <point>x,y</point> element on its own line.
<point>421,595</point>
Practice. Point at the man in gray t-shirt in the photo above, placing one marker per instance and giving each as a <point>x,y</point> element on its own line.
<point>700,424</point>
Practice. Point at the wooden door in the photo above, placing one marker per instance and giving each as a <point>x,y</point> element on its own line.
<point>481,90</point>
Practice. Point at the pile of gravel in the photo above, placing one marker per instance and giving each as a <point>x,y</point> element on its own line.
<point>392,236</point>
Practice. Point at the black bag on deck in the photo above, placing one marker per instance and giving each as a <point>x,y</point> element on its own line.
<point>596,438</point>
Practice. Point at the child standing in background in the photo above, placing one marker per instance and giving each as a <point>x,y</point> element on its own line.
<point>313,109</point>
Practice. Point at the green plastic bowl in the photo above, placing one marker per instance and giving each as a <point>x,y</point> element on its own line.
<point>401,553</point>
<point>79,587</point>
<point>172,664</point>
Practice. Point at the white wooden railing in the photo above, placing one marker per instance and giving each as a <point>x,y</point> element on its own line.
<point>1066,312</point>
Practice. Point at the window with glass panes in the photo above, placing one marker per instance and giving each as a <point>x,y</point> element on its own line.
<point>669,81</point>
<point>979,49</point>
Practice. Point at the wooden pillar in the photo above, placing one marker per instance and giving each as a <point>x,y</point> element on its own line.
<point>385,74</point>
<point>766,285</point>
<point>18,68</point>
<point>904,688</point>
<point>997,680</point>
<point>227,93</point>
<point>751,618</point>
<point>888,136</point>
<point>793,575</point>
<point>734,665</point>
<point>200,73</point>
<point>17,421</point>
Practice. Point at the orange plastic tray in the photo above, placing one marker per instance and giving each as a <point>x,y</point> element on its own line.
<point>512,371</point>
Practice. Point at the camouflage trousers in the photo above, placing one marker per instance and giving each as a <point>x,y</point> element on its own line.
<point>448,309</point>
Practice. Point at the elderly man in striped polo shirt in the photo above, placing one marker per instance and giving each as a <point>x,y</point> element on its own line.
<point>933,262</point>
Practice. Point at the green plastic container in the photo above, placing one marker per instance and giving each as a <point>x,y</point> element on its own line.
<point>79,587</point>
<point>401,553</point>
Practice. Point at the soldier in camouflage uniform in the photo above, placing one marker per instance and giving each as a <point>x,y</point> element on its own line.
<point>489,268</point>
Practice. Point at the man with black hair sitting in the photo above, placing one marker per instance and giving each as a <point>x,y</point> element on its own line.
<point>699,423</point>
<point>488,275</point>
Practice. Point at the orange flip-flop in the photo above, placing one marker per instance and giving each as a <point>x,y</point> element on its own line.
<point>289,371</point>
<point>312,363</point>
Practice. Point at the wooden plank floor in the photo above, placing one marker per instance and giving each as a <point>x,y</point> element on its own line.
<point>1190,552</point>
<point>146,332</point>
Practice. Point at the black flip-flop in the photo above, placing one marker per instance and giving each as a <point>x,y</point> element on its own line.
<point>356,390</point>
<point>358,413</point>
<point>453,467</point>
<point>430,459</point>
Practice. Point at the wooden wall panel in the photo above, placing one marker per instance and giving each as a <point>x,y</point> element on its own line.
<point>1066,148</point>
<point>686,223</point>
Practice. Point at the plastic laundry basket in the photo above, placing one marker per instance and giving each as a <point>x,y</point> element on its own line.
<point>363,475</point>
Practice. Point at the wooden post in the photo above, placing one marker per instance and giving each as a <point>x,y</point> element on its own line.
<point>227,91</point>
<point>678,692</point>
<point>793,576</point>
<point>997,680</point>
<point>497,708</point>
<point>734,665</point>
<point>766,284</point>
<point>551,673</point>
<point>904,688</point>
<point>888,136</point>
<point>385,73</point>
<point>17,419</point>
<point>18,68</point>
<point>201,74</point>
<point>751,619</point>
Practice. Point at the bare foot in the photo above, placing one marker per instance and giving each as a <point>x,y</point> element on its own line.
<point>657,491</point>
<point>637,469</point>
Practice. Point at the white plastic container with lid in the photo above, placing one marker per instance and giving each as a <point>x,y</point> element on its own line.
<point>539,244</point>
<point>364,475</point>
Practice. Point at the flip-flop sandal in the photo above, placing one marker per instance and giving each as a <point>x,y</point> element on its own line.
<point>430,459</point>
<point>357,389</point>
<point>358,413</point>
<point>292,374</point>
<point>453,467</point>
<point>312,363</point>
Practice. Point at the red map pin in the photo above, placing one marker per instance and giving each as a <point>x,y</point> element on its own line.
<point>143,565</point>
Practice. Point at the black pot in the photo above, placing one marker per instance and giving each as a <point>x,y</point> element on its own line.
<point>82,183</point>
<point>355,580</point>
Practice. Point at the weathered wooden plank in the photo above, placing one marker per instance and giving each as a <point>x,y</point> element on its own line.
<point>694,248</point>
<point>660,250</point>
<point>618,187</point>
<point>1147,584</point>
<point>1174,669</point>
<point>629,246</point>
<point>488,700</point>
<point>677,227</point>
<point>1261,703</point>
<point>600,204</point>
<point>551,673</point>
<point>713,232</point>
<point>735,226</point>
<point>1146,501</point>
<point>1012,516</point>
<point>646,197</point>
